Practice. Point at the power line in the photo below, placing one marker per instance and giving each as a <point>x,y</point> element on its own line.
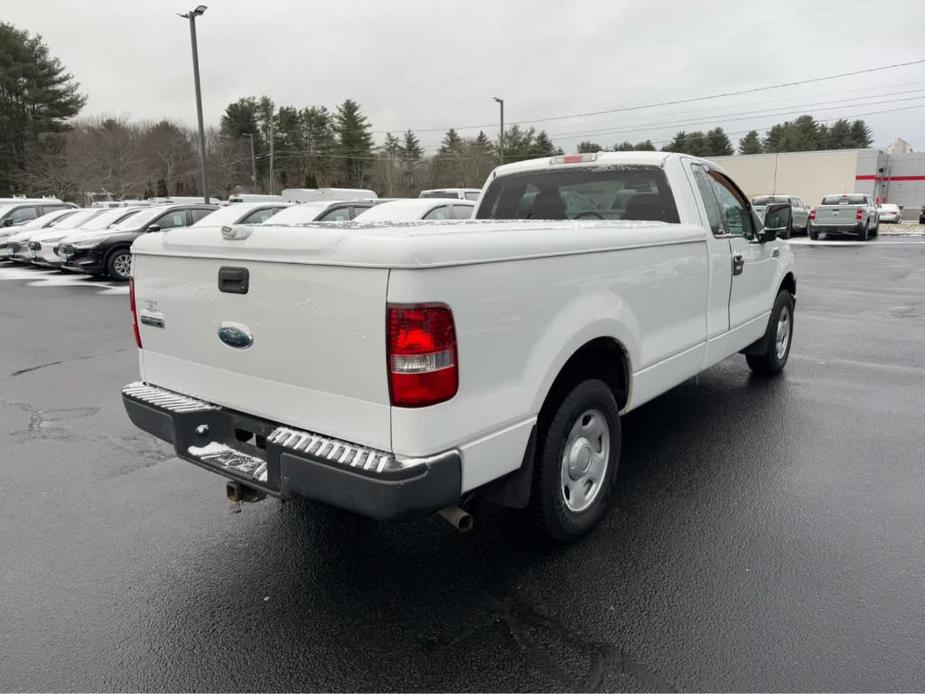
<point>676,102</point>
<point>746,115</point>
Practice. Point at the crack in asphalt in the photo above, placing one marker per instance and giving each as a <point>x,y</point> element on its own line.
<point>516,616</point>
<point>84,357</point>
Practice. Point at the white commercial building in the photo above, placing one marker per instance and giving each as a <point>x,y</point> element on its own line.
<point>898,178</point>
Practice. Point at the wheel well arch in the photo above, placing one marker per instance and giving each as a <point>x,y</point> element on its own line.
<point>790,284</point>
<point>604,358</point>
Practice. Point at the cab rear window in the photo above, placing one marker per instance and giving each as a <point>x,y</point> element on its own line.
<point>638,193</point>
<point>844,200</point>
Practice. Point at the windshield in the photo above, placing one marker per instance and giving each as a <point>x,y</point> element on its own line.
<point>78,219</point>
<point>605,192</point>
<point>439,194</point>
<point>299,214</point>
<point>231,214</point>
<point>768,199</point>
<point>137,221</point>
<point>844,200</point>
<point>108,218</point>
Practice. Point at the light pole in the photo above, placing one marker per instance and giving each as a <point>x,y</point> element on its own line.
<point>191,16</point>
<point>253,162</point>
<point>501,138</point>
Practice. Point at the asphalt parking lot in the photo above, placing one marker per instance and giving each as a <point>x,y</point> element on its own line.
<point>768,534</point>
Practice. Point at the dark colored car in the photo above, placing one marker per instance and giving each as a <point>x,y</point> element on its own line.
<point>109,253</point>
<point>19,213</point>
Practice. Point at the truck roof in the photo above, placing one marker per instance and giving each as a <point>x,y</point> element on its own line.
<point>596,159</point>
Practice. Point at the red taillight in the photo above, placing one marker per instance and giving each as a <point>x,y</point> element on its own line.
<point>812,214</point>
<point>131,298</point>
<point>859,215</point>
<point>422,360</point>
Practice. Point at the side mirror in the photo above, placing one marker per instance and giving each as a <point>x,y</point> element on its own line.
<point>776,221</point>
<point>153,227</point>
<point>8,222</point>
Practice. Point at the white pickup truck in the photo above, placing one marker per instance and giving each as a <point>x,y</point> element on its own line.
<point>396,369</point>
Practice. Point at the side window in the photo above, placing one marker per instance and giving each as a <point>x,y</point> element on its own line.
<point>22,214</point>
<point>705,187</point>
<point>472,196</point>
<point>442,212</point>
<point>52,208</point>
<point>735,209</point>
<point>260,216</point>
<point>171,220</point>
<point>197,215</point>
<point>339,214</point>
<point>462,212</point>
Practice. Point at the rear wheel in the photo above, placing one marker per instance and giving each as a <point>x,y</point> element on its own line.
<point>119,264</point>
<point>576,464</point>
<point>864,234</point>
<point>777,338</point>
<point>813,234</point>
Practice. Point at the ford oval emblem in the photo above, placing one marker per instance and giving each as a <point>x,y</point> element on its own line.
<point>235,335</point>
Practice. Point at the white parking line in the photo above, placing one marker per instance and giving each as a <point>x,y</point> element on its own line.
<point>54,278</point>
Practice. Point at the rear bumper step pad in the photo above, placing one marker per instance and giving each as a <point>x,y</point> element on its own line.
<point>286,462</point>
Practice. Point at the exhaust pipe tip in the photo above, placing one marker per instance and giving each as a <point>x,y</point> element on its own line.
<point>457,517</point>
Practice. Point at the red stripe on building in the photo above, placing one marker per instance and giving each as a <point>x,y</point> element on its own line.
<point>873,177</point>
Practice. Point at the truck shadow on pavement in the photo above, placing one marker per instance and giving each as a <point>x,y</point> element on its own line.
<point>334,601</point>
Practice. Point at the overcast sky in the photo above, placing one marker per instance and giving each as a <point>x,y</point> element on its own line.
<point>436,64</point>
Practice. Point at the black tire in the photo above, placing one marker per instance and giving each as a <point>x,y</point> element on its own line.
<point>787,234</point>
<point>813,234</point>
<point>116,268</point>
<point>770,362</point>
<point>864,233</point>
<point>549,508</point>
<point>876,230</point>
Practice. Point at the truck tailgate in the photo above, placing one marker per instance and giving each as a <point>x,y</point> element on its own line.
<point>836,215</point>
<point>317,357</point>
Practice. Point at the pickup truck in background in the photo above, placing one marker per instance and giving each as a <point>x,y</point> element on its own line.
<point>845,213</point>
<point>396,370</point>
<point>799,221</point>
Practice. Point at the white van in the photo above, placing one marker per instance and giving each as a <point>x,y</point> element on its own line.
<point>254,197</point>
<point>315,194</point>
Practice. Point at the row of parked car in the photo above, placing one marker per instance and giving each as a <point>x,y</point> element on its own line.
<point>840,213</point>
<point>98,240</point>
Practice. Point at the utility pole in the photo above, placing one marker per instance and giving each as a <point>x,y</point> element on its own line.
<point>191,16</point>
<point>253,162</point>
<point>270,189</point>
<point>501,137</point>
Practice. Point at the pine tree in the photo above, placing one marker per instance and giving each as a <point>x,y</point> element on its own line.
<point>625,146</point>
<point>861,135</point>
<point>354,142</point>
<point>678,144</point>
<point>717,143</point>
<point>751,143</point>
<point>644,146</point>
<point>773,140</point>
<point>588,147</point>
<point>37,97</point>
<point>411,149</point>
<point>696,143</point>
<point>392,145</point>
<point>839,135</point>
<point>452,143</point>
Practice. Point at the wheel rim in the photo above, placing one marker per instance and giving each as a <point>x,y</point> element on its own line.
<point>783,332</point>
<point>122,265</point>
<point>585,458</point>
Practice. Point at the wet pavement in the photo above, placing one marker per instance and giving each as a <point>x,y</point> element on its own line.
<point>767,534</point>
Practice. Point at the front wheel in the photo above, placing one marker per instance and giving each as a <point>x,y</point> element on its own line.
<point>777,338</point>
<point>576,462</point>
<point>119,264</point>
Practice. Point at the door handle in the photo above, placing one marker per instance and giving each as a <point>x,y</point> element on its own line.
<point>738,264</point>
